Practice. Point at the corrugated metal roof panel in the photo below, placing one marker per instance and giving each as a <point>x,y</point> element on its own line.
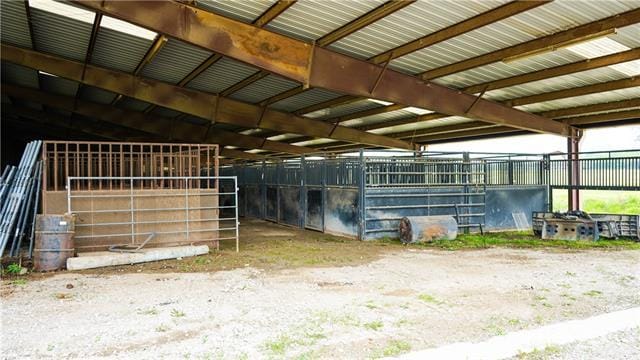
<point>310,20</point>
<point>19,75</point>
<point>452,120</point>
<point>60,35</point>
<point>264,88</point>
<point>245,10</point>
<point>174,61</point>
<point>500,70</point>
<point>97,95</point>
<point>14,28</point>
<point>410,23</point>
<point>343,110</point>
<point>133,104</point>
<point>541,21</point>
<point>583,78</point>
<point>119,51</point>
<point>615,95</point>
<point>319,141</point>
<point>304,99</point>
<point>379,118</point>
<point>628,36</point>
<point>219,76</point>
<point>165,112</point>
<point>58,85</point>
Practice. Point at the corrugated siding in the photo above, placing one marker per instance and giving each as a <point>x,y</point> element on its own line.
<point>96,95</point>
<point>311,19</point>
<point>307,98</point>
<point>174,61</point>
<point>245,10</point>
<point>14,28</point>
<point>19,75</point>
<point>615,95</point>
<point>412,22</point>
<point>219,76</point>
<point>264,88</point>
<point>558,83</point>
<point>119,51</point>
<point>60,35</point>
<point>543,20</point>
<point>58,85</point>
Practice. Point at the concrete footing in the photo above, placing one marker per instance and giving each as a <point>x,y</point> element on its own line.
<point>91,260</point>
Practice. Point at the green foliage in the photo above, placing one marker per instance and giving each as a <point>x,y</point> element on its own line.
<point>593,293</point>
<point>525,239</point>
<point>13,269</point>
<point>601,201</point>
<point>429,299</point>
<point>396,347</point>
<point>177,313</point>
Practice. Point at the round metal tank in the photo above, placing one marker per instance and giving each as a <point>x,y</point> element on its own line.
<point>54,241</point>
<point>416,229</point>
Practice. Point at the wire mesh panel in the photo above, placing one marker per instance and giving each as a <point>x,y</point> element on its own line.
<point>195,210</point>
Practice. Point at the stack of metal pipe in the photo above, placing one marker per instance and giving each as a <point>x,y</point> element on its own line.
<point>19,199</point>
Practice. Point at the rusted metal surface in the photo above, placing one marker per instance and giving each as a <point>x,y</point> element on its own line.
<point>153,124</point>
<point>600,118</point>
<point>293,59</point>
<point>270,51</point>
<point>201,104</point>
<point>276,9</point>
<point>607,225</point>
<point>417,229</point>
<point>54,241</point>
<point>619,20</point>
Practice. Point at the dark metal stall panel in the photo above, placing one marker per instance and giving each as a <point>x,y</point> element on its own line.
<point>271,203</point>
<point>314,209</point>
<point>289,211</point>
<point>504,201</point>
<point>254,201</point>
<point>341,211</point>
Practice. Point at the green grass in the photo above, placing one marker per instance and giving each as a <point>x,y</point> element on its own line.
<point>601,201</point>
<point>525,239</point>
<point>593,293</point>
<point>392,348</point>
<point>374,325</point>
<point>177,313</point>
<point>429,299</point>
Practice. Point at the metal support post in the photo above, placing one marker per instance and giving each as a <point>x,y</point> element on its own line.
<point>573,170</point>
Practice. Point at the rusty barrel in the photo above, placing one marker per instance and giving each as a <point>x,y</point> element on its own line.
<point>54,241</point>
<point>415,229</point>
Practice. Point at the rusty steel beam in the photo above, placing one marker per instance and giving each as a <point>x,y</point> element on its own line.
<point>486,18</point>
<point>584,65</point>
<point>616,21</point>
<point>586,109</point>
<point>365,20</point>
<point>606,117</point>
<point>151,124</point>
<point>454,136</point>
<point>109,132</point>
<point>578,91</point>
<point>197,103</point>
<point>462,27</point>
<point>293,58</point>
<point>239,85</point>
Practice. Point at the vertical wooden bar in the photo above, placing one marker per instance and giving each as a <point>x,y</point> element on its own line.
<point>66,162</point>
<point>55,167</point>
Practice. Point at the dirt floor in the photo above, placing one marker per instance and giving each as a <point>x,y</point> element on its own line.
<point>314,296</point>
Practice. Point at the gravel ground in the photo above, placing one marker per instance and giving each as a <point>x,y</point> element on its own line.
<point>409,299</point>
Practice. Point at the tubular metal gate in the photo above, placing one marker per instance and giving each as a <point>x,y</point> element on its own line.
<point>396,187</point>
<point>178,210</point>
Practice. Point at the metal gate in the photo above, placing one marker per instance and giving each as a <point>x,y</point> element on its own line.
<point>178,210</point>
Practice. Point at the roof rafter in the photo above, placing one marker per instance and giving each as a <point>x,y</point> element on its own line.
<point>606,117</point>
<point>586,109</point>
<point>293,58</point>
<point>197,103</point>
<point>152,124</point>
<point>108,131</point>
<point>545,42</point>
